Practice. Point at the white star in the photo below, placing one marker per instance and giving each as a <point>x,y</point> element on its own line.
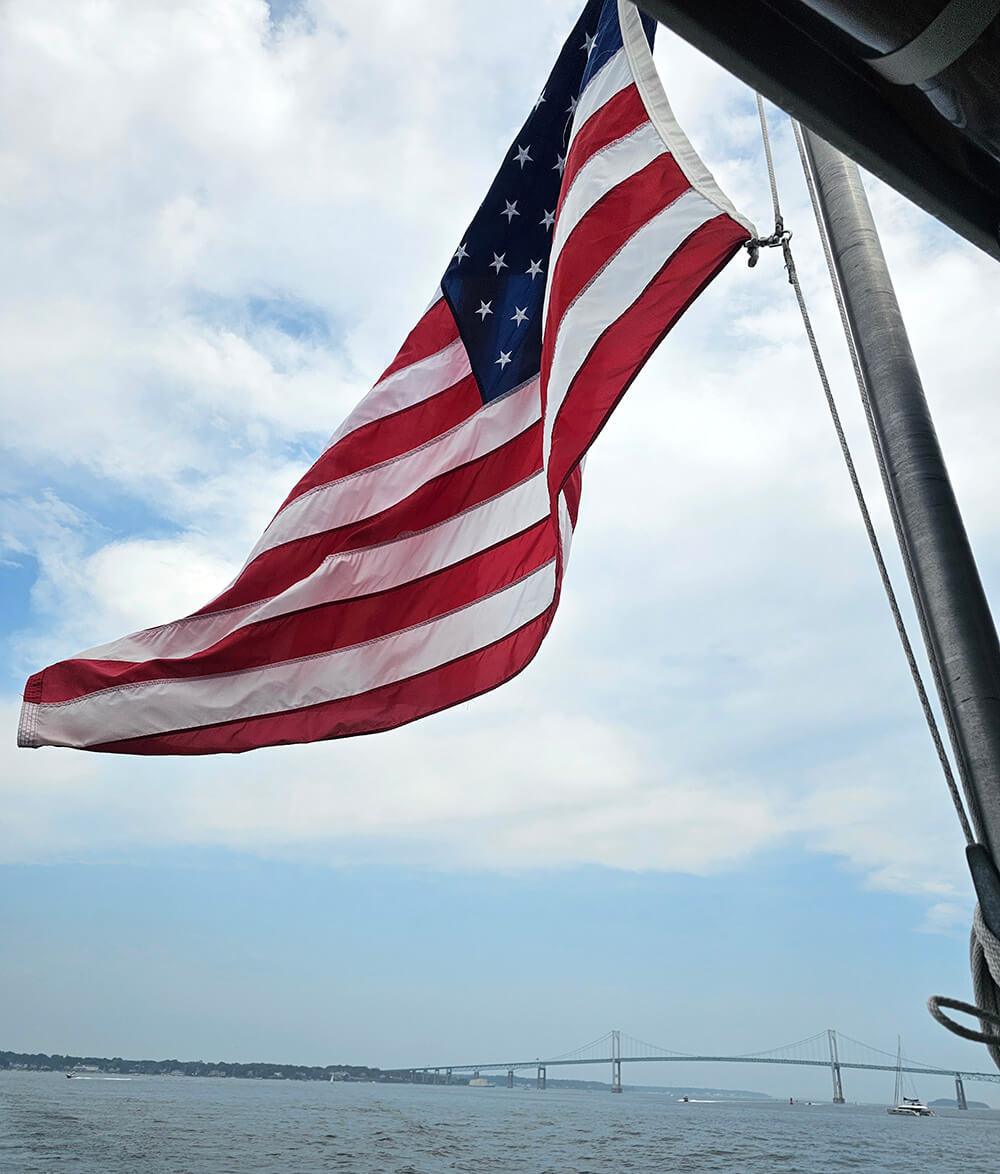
<point>571,108</point>
<point>534,269</point>
<point>519,316</point>
<point>484,309</point>
<point>510,212</point>
<point>548,220</point>
<point>498,263</point>
<point>522,156</point>
<point>588,44</point>
<point>504,359</point>
<point>560,164</point>
<point>461,253</point>
<point>539,100</point>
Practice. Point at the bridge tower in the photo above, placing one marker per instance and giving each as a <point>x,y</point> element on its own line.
<point>540,1080</point>
<point>616,1061</point>
<point>838,1088</point>
<point>510,1077</point>
<point>960,1092</point>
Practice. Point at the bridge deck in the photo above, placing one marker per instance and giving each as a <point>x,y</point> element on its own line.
<point>989,1077</point>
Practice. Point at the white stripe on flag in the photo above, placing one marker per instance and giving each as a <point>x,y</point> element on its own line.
<point>565,530</point>
<point>117,713</point>
<point>181,638</point>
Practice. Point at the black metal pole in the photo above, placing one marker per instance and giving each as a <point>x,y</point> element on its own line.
<point>959,629</point>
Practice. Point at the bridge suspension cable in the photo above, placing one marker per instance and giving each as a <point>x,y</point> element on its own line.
<point>578,1052</point>
<point>882,1052</point>
<point>634,1047</point>
<point>819,1039</point>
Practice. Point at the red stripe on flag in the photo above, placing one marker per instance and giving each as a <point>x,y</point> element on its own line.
<point>379,709</point>
<point>572,491</point>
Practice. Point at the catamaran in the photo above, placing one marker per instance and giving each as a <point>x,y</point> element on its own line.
<point>902,1105</point>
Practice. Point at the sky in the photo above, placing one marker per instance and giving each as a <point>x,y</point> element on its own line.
<point>709,813</point>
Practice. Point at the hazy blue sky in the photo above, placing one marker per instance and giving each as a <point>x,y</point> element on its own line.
<point>708,814</point>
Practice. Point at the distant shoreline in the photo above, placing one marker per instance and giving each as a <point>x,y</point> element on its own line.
<point>261,1070</point>
<point>257,1070</point>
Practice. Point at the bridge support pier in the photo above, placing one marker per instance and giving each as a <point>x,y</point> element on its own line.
<point>437,1075</point>
<point>838,1087</point>
<point>447,1076</point>
<point>616,1061</point>
<point>540,1079</point>
<point>960,1092</point>
<point>510,1077</point>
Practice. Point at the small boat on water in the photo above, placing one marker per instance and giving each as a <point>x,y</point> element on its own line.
<point>904,1106</point>
<point>910,1107</point>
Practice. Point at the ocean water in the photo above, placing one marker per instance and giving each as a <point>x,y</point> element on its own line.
<point>191,1125</point>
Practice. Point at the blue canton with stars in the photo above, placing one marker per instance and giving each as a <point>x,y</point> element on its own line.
<point>495,284</point>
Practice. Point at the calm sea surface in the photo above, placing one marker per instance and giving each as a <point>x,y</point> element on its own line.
<point>203,1126</point>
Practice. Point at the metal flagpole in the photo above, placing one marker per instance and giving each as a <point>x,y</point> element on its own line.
<point>958,627</point>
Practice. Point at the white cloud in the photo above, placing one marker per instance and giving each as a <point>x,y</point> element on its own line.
<point>947,917</point>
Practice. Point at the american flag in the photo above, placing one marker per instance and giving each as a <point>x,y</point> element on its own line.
<point>418,563</point>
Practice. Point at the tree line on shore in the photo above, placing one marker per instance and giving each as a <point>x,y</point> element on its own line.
<point>257,1070</point>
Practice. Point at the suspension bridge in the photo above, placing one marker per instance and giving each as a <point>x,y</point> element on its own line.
<point>825,1049</point>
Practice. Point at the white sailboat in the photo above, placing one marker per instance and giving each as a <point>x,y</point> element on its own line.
<point>902,1105</point>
